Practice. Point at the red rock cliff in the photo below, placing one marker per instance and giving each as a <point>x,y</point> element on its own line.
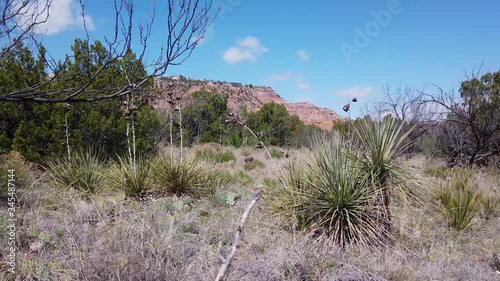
<point>253,97</point>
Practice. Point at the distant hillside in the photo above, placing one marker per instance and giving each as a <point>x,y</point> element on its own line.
<point>253,97</point>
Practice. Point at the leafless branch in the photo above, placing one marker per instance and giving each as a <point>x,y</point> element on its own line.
<point>226,261</point>
<point>186,23</point>
<point>19,20</point>
<point>472,119</point>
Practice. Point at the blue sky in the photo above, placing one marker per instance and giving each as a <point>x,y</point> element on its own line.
<point>321,51</point>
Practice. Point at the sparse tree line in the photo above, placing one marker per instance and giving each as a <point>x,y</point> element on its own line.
<point>463,127</point>
<point>43,131</point>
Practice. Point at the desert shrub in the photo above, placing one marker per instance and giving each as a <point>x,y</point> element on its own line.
<point>247,150</point>
<point>22,172</point>
<point>437,172</point>
<point>215,156</point>
<point>204,116</point>
<point>243,177</point>
<point>276,124</point>
<point>276,153</point>
<point>224,156</point>
<point>83,172</point>
<point>253,165</point>
<point>459,199</point>
<point>490,203</point>
<point>186,176</point>
<point>135,179</point>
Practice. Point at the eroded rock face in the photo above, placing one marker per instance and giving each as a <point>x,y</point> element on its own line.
<point>308,113</point>
<point>251,97</point>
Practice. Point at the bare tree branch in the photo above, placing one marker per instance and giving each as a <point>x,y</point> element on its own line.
<point>472,119</point>
<point>19,20</point>
<point>226,261</point>
<point>186,24</point>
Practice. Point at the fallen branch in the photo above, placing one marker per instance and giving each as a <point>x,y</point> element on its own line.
<point>226,261</point>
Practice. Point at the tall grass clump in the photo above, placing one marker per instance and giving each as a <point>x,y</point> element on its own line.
<point>490,204</point>
<point>459,199</point>
<point>215,156</point>
<point>255,164</point>
<point>191,177</point>
<point>22,171</point>
<point>276,153</point>
<point>134,179</point>
<point>83,171</point>
<point>329,196</point>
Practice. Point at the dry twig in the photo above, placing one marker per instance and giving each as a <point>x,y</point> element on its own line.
<point>226,261</point>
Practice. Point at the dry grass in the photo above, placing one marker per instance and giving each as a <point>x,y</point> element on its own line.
<point>63,236</point>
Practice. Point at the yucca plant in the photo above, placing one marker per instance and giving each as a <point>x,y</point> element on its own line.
<point>82,172</point>
<point>135,179</point>
<point>186,176</point>
<point>460,202</point>
<point>331,197</point>
<point>381,144</point>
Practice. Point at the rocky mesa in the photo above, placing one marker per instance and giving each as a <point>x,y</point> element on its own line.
<point>249,96</point>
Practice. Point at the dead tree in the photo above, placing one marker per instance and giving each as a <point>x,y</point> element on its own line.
<point>185,23</point>
<point>475,117</point>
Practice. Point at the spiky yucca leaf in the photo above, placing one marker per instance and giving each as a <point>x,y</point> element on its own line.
<point>380,144</point>
<point>82,172</point>
<point>283,194</point>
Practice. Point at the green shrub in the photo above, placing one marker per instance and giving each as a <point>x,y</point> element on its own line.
<point>490,204</point>
<point>224,156</point>
<point>186,177</point>
<point>214,155</point>
<point>437,172</point>
<point>459,200</point>
<point>84,172</point>
<point>247,150</point>
<point>276,153</point>
<point>22,172</point>
<point>244,178</point>
<point>135,179</point>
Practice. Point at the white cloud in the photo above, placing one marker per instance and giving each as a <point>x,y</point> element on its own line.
<point>302,85</point>
<point>62,15</point>
<point>287,76</point>
<point>281,77</point>
<point>249,48</point>
<point>303,56</point>
<point>356,92</point>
